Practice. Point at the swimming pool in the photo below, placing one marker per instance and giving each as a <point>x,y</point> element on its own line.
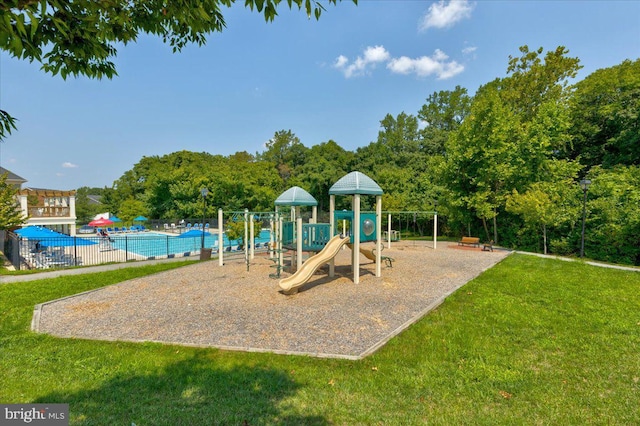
<point>150,244</point>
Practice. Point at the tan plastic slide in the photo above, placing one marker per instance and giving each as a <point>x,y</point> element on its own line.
<point>369,254</point>
<point>290,284</point>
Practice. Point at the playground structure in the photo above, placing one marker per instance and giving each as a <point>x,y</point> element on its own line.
<point>295,237</point>
<point>291,284</point>
<point>364,227</point>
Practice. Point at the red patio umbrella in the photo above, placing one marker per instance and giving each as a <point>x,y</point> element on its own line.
<point>101,222</point>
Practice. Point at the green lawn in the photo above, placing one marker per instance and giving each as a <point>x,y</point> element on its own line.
<point>531,341</point>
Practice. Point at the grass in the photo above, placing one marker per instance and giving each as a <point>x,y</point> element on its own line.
<point>530,341</point>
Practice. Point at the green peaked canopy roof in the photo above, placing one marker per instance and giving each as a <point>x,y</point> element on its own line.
<point>296,196</point>
<point>355,183</point>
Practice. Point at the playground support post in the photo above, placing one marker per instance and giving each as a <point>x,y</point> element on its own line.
<point>389,231</point>
<point>435,230</point>
<point>204,191</point>
<point>252,238</point>
<point>298,243</point>
<point>332,228</point>
<point>220,237</point>
<point>273,230</point>
<point>356,239</point>
<point>279,251</point>
<point>246,237</point>
<point>378,235</point>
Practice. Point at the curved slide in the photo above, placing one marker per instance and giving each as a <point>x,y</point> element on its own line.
<point>369,254</point>
<point>290,284</point>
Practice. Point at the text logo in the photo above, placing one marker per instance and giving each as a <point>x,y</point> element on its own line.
<point>34,414</point>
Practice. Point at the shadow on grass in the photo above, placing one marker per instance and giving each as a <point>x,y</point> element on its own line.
<point>195,391</point>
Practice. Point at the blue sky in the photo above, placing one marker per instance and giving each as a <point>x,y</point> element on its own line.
<point>335,78</point>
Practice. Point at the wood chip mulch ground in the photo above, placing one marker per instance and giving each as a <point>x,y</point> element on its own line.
<point>231,308</point>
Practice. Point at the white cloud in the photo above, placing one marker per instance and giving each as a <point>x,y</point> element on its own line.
<point>444,14</point>
<point>376,54</point>
<point>469,50</point>
<point>68,165</point>
<point>362,64</point>
<point>438,64</point>
<point>341,61</point>
<point>426,65</point>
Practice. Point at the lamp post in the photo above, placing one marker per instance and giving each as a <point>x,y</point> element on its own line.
<point>584,184</point>
<point>204,192</point>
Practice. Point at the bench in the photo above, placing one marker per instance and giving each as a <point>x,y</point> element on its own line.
<point>488,246</point>
<point>472,241</point>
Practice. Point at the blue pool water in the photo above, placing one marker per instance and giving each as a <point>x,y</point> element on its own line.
<point>151,244</point>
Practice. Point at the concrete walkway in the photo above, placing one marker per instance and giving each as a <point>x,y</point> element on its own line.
<point>588,262</point>
<point>5,279</point>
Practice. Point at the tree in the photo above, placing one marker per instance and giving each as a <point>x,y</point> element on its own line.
<point>235,231</point>
<point>285,151</point>
<point>325,164</point>
<point>549,203</point>
<point>480,156</point>
<point>85,211</point>
<point>533,82</point>
<point>130,209</point>
<point>443,113</point>
<point>394,160</point>
<point>79,37</point>
<point>7,124</point>
<point>515,126</point>
<point>604,116</point>
<point>169,186</point>
<point>10,213</point>
<point>613,217</point>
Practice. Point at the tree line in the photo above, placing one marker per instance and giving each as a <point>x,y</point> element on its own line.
<point>503,163</point>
